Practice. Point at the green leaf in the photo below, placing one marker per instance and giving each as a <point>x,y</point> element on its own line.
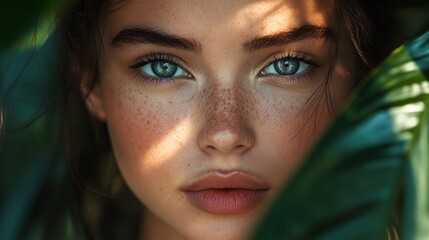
<point>416,196</point>
<point>34,189</point>
<point>371,167</point>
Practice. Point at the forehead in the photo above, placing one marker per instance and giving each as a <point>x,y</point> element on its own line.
<point>243,17</point>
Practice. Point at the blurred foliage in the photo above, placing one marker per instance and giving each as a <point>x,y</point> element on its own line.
<point>18,18</point>
<point>370,173</point>
<point>32,186</point>
<point>34,183</point>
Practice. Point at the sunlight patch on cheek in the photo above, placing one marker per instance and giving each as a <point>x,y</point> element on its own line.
<point>169,146</point>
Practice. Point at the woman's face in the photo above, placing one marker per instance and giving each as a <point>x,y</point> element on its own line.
<point>211,105</point>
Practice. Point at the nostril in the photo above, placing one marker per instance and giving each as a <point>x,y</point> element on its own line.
<point>210,147</point>
<point>238,147</point>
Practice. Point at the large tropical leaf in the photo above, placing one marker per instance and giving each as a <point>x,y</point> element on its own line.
<point>33,197</point>
<point>369,174</point>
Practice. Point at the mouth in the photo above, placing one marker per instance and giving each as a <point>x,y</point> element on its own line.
<point>226,194</point>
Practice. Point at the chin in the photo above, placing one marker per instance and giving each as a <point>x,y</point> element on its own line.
<point>222,228</point>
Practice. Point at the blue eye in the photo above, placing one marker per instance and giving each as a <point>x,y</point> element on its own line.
<point>286,67</point>
<point>163,69</point>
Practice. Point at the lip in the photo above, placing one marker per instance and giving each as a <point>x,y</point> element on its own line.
<point>226,193</point>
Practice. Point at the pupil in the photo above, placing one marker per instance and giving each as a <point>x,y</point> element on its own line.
<point>164,69</point>
<point>287,66</point>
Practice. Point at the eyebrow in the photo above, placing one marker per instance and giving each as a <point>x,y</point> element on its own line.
<point>138,35</point>
<point>294,35</point>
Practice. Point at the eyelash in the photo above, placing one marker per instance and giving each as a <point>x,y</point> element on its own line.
<point>154,57</point>
<point>296,78</point>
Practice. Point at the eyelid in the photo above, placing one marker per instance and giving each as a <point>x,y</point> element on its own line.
<point>152,57</point>
<point>304,57</point>
<point>288,80</point>
<point>156,81</point>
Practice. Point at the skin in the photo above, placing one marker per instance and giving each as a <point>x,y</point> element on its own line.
<point>225,116</point>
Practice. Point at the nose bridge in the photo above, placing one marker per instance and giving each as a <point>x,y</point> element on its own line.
<point>226,128</point>
<point>223,109</point>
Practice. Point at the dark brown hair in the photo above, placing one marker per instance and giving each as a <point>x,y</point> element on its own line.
<point>101,199</point>
<point>99,190</point>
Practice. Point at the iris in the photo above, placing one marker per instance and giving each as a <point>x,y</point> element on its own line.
<point>287,66</point>
<point>164,69</point>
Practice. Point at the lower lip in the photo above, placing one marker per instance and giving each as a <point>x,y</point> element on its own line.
<point>226,202</point>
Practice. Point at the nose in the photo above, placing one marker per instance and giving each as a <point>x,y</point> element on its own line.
<point>226,140</point>
<point>226,129</point>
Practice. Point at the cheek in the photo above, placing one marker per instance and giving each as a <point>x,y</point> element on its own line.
<point>134,125</point>
<point>146,136</point>
<point>292,124</point>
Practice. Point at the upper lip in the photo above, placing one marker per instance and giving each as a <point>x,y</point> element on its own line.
<point>231,180</point>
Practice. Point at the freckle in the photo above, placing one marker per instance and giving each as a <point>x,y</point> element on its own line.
<point>180,198</point>
<point>189,165</point>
